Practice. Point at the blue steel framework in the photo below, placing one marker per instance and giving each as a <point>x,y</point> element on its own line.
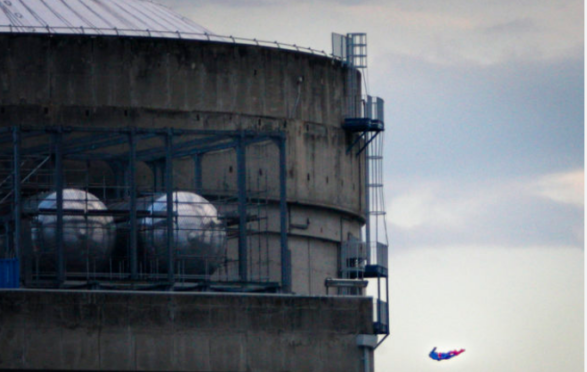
<point>100,138</point>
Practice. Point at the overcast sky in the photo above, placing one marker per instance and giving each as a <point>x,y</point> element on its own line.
<point>484,167</point>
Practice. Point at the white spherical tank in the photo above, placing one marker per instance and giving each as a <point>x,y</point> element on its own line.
<point>88,239</point>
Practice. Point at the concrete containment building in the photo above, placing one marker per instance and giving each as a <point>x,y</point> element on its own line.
<point>173,199</point>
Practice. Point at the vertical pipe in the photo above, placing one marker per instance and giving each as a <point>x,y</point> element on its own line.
<point>169,192</point>
<point>387,302</point>
<point>198,173</point>
<point>133,202</point>
<point>242,208</point>
<point>367,200</point>
<point>58,174</point>
<point>379,320</point>
<point>366,360</point>
<point>16,138</point>
<point>285,253</point>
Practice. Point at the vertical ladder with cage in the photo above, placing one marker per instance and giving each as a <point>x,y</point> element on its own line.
<point>364,120</point>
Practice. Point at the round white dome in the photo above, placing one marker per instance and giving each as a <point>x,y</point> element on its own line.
<point>97,17</point>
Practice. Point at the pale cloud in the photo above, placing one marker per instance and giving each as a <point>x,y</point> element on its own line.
<point>508,307</point>
<point>534,210</point>
<point>567,187</point>
<point>454,32</point>
<point>430,206</point>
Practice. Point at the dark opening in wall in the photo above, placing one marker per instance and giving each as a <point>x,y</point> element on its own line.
<point>230,169</point>
<point>308,176</point>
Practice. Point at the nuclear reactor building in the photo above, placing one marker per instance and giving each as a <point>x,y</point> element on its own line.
<point>175,199</point>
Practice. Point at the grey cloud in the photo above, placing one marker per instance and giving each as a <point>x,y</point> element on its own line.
<point>521,25</point>
<point>482,122</point>
<point>494,214</point>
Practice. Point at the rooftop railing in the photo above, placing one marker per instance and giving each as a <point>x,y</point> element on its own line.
<point>161,34</point>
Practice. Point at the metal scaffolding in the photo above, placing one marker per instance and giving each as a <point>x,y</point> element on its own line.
<point>48,161</point>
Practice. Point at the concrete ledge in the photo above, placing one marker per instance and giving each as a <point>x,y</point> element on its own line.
<point>163,331</point>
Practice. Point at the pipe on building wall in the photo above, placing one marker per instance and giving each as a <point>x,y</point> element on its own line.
<point>295,106</point>
<point>366,367</point>
<point>367,343</point>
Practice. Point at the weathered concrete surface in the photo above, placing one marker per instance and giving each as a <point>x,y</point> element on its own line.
<point>159,331</point>
<point>77,80</point>
<point>155,83</point>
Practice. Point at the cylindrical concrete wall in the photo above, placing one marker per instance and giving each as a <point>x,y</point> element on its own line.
<point>107,81</point>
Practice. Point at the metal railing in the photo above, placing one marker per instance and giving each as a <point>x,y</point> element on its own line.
<point>374,108</point>
<point>381,314</point>
<point>355,255</point>
<point>162,34</point>
<point>377,254</point>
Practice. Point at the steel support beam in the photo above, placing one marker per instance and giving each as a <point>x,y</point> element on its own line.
<point>17,193</point>
<point>169,192</point>
<point>367,143</point>
<point>242,208</point>
<point>285,253</point>
<point>58,182</point>
<point>186,147</point>
<point>198,173</point>
<point>132,160</point>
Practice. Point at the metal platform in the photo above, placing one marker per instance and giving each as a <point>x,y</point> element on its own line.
<point>362,125</point>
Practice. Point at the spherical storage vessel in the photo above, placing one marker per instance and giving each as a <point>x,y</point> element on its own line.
<point>133,63</point>
<point>199,236</point>
<point>87,240</point>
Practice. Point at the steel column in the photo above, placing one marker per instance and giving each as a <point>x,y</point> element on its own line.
<point>16,139</point>
<point>198,173</point>
<point>242,208</point>
<point>285,253</point>
<point>133,202</point>
<point>169,192</point>
<point>117,166</point>
<point>58,181</point>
